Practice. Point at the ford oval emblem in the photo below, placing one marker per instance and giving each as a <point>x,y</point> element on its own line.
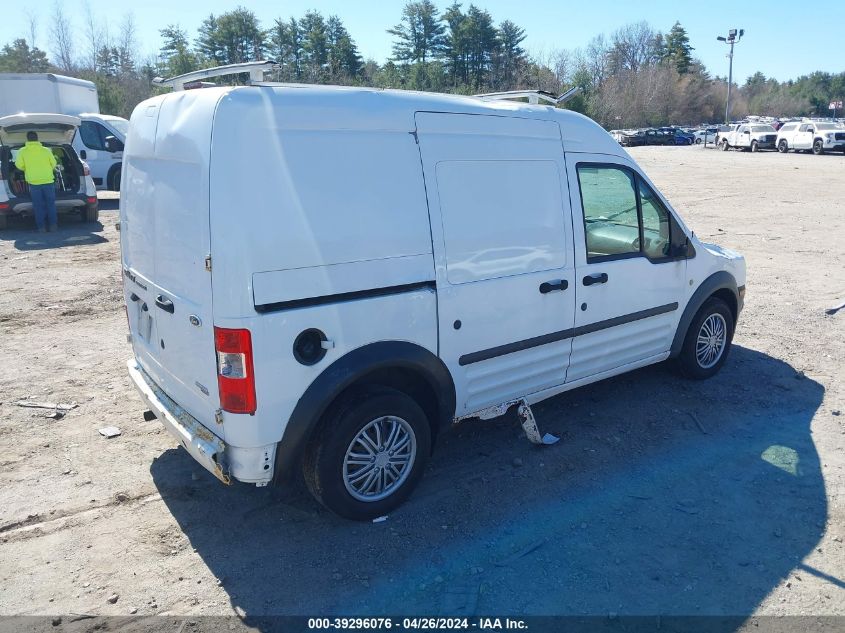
<point>195,320</point>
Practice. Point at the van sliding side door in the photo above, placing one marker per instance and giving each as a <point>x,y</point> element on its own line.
<point>501,231</point>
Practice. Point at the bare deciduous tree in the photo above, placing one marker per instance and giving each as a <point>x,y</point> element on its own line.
<point>61,35</point>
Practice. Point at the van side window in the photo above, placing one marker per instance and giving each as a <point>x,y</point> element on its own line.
<point>92,136</point>
<point>611,221</point>
<point>501,218</point>
<point>656,225</point>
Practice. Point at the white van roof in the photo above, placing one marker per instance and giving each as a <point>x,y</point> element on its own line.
<point>316,107</point>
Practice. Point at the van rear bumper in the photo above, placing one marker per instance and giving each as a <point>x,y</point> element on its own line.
<point>205,447</point>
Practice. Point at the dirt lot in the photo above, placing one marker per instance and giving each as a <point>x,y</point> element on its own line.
<point>664,496</point>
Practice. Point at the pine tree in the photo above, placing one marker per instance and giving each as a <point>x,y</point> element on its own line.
<point>207,43</point>
<point>18,57</point>
<point>315,54</point>
<point>511,54</point>
<point>175,52</point>
<point>420,33</point>
<point>678,49</point>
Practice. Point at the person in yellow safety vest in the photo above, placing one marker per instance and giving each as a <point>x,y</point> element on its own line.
<point>38,164</point>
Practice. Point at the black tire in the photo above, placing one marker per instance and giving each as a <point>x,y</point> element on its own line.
<point>724,145</point>
<point>4,222</point>
<point>114,181</point>
<point>783,146</point>
<point>688,361</point>
<point>91,214</point>
<point>323,466</point>
<point>818,147</point>
<point>698,141</point>
<point>754,146</point>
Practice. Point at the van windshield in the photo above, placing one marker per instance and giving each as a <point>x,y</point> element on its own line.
<point>762,128</point>
<point>120,125</point>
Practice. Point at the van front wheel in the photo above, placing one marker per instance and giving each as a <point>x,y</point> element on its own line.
<point>708,340</point>
<point>369,455</point>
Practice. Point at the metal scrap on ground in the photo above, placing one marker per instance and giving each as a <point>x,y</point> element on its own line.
<point>46,405</point>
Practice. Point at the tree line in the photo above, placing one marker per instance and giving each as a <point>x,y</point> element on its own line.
<point>636,76</point>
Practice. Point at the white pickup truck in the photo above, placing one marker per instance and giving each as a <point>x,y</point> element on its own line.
<point>748,136</point>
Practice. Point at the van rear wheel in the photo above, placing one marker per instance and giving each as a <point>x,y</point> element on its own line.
<point>708,340</point>
<point>783,148</point>
<point>369,455</point>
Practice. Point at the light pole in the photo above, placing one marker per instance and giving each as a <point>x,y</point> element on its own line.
<point>732,38</point>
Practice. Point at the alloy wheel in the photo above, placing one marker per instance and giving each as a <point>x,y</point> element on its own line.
<point>379,459</point>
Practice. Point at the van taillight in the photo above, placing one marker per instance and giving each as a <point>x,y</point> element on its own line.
<point>235,379</point>
<point>85,170</point>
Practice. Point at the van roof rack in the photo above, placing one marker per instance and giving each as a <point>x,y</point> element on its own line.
<point>534,96</point>
<point>194,79</point>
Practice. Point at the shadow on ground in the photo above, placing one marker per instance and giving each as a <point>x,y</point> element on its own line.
<point>663,497</point>
<point>71,232</point>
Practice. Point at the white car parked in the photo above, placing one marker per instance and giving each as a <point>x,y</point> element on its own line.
<point>75,190</point>
<point>815,136</point>
<point>705,136</point>
<point>750,136</point>
<point>385,264</point>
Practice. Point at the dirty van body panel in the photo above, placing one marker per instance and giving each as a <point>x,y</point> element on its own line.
<point>499,207</point>
<point>165,241</point>
<point>327,229</point>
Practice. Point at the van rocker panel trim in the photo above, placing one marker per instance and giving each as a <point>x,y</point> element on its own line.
<point>518,346</point>
<point>345,372</point>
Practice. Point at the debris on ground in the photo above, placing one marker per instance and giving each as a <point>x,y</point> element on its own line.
<point>835,309</point>
<point>697,422</point>
<point>61,406</point>
<point>380,519</point>
<point>521,553</point>
<point>109,431</point>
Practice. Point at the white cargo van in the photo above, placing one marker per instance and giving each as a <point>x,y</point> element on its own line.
<point>322,279</point>
<point>101,137</point>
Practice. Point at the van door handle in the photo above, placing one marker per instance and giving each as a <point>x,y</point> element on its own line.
<point>600,278</point>
<point>164,304</point>
<point>556,284</point>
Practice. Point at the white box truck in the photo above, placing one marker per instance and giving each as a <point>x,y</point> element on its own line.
<point>101,137</point>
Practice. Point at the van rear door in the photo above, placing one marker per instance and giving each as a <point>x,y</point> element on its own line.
<point>165,242</point>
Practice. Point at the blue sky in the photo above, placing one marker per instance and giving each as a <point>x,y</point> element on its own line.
<point>549,24</point>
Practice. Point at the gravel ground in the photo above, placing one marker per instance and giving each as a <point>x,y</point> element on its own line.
<point>664,496</point>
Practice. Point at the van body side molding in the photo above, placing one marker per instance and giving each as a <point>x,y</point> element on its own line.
<point>346,296</point>
<point>518,346</point>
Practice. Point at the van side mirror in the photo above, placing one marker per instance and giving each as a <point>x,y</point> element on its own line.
<point>113,145</point>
